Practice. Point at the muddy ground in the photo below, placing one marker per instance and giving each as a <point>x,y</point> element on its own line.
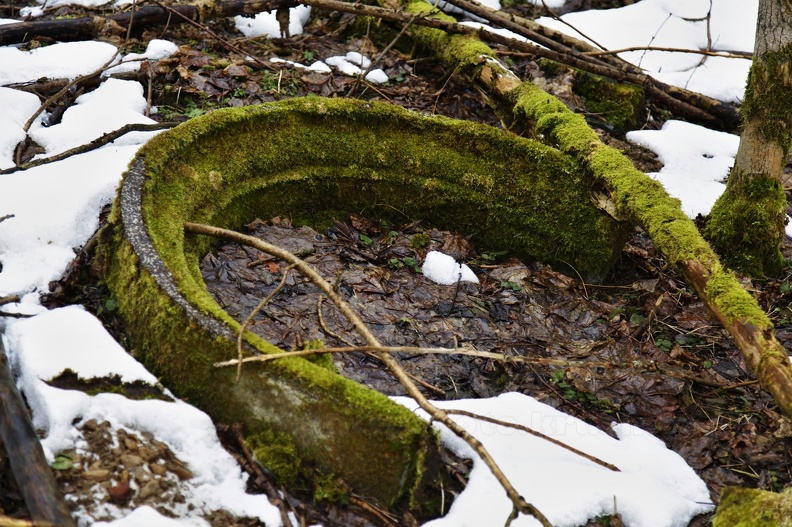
<point>686,382</point>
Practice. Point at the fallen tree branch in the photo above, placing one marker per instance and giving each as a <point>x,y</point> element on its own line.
<point>580,54</point>
<point>90,27</point>
<point>519,503</point>
<point>437,351</point>
<point>252,315</point>
<point>99,142</point>
<point>673,233</point>
<point>31,471</point>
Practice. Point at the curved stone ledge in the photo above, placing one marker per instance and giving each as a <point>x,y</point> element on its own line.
<point>314,159</point>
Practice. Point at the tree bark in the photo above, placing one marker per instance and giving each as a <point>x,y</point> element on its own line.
<point>746,225</point>
<point>32,473</point>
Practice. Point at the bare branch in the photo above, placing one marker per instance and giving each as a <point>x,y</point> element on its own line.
<point>392,364</point>
<point>93,145</point>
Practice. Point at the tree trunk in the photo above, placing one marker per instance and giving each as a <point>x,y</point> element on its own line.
<point>746,225</point>
<point>32,473</point>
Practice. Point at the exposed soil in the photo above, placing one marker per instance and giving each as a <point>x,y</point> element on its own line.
<point>686,382</point>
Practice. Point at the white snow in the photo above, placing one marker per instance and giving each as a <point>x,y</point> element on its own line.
<point>377,76</point>
<point>351,64</point>
<point>67,60</point>
<point>654,488</point>
<point>695,161</point>
<point>18,107</point>
<point>444,270</point>
<point>157,49</point>
<point>56,209</point>
<point>265,24</point>
<point>107,108</point>
<point>149,517</point>
<point>679,24</point>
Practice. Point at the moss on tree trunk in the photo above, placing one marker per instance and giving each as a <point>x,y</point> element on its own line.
<point>746,225</point>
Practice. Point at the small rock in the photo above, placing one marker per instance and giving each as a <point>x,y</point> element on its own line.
<point>131,460</point>
<point>178,468</point>
<point>131,443</point>
<point>147,453</point>
<point>159,470</point>
<point>149,489</point>
<point>98,475</point>
<point>142,476</point>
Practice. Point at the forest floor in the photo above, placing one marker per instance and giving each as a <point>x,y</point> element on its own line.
<point>688,384</point>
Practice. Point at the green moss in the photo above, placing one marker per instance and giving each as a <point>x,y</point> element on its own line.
<point>733,300</point>
<point>325,360</point>
<point>740,507</point>
<point>420,241</point>
<point>616,103</point>
<point>328,488</point>
<point>640,198</point>
<point>747,222</point>
<point>277,453</point>
<point>457,50</point>
<point>551,67</point>
<point>768,97</point>
<point>320,158</point>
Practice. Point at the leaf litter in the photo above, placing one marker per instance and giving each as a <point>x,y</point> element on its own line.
<point>640,349</point>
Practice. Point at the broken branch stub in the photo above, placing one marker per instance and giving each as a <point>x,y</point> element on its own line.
<point>315,160</point>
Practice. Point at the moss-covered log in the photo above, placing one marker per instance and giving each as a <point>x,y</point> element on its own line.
<point>315,160</point>
<point>754,508</point>
<point>634,195</point>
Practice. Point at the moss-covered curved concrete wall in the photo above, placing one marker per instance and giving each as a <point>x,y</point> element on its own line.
<point>313,159</point>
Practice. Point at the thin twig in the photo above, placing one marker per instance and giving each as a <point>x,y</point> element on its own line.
<point>391,363</point>
<point>93,145</point>
<point>6,217</point>
<point>262,479</point>
<point>709,53</point>
<point>15,315</point>
<point>555,16</point>
<point>536,434</point>
<point>433,351</point>
<point>253,313</point>
<point>11,299</point>
<point>329,332</point>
